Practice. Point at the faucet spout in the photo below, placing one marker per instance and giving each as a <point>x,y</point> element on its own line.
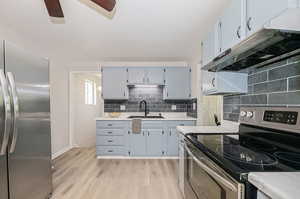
<point>145,107</point>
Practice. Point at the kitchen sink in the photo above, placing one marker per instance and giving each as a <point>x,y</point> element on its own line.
<point>143,117</point>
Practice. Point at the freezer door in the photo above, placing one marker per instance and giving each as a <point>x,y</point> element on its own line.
<point>29,162</point>
<point>3,158</point>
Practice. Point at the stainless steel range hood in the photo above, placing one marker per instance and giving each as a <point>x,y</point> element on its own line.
<point>279,39</point>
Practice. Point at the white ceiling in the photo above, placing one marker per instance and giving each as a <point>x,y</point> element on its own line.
<point>161,30</point>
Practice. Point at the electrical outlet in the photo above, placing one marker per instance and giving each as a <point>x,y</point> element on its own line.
<point>122,107</point>
<point>194,106</point>
<point>173,107</point>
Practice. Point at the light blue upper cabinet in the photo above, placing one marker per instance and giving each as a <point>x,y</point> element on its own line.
<point>155,142</point>
<point>155,75</point>
<point>178,83</point>
<point>211,45</point>
<point>233,24</point>
<point>146,75</point>
<point>114,83</point>
<point>136,75</point>
<point>259,12</point>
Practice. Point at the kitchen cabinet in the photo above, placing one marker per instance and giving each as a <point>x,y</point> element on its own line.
<point>155,142</point>
<point>260,12</point>
<point>221,83</point>
<point>211,46</point>
<point>112,138</point>
<point>114,83</point>
<point>172,144</point>
<point>138,144</point>
<point>145,75</point>
<point>233,24</point>
<point>178,83</point>
<point>181,163</point>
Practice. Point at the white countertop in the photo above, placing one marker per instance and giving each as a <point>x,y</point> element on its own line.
<point>277,185</point>
<point>207,129</point>
<point>165,119</point>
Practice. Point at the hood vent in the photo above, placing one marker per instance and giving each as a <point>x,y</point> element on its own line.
<point>279,39</point>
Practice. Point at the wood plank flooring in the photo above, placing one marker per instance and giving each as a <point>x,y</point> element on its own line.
<point>79,175</point>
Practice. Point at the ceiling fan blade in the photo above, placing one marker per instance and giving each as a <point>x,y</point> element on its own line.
<point>106,4</point>
<point>54,8</point>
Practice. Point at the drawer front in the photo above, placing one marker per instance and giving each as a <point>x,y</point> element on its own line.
<point>173,124</point>
<point>110,140</point>
<point>111,151</point>
<point>112,124</point>
<point>152,125</point>
<point>110,132</point>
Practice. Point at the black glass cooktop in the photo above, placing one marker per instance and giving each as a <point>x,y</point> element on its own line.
<point>253,150</point>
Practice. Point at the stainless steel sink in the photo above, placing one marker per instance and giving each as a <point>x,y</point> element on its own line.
<point>143,117</point>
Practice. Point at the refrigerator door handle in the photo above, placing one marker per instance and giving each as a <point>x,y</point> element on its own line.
<point>15,100</point>
<point>7,114</point>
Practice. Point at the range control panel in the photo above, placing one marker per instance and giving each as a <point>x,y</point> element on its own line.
<point>284,117</point>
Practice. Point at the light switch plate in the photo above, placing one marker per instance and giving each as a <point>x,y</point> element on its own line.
<point>122,107</point>
<point>173,107</point>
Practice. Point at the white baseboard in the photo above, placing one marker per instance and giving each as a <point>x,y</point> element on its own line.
<point>59,153</point>
<point>137,158</point>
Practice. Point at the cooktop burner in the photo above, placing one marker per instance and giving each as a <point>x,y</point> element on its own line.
<point>248,157</point>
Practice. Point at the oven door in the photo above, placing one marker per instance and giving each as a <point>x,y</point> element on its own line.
<point>205,180</point>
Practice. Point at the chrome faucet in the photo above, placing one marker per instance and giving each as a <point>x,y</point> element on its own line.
<point>145,107</point>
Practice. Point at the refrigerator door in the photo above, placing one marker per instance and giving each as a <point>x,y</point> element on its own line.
<point>3,157</point>
<point>29,159</point>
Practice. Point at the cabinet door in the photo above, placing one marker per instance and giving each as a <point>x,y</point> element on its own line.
<point>114,80</point>
<point>260,12</point>
<point>211,45</point>
<point>232,24</point>
<point>138,144</point>
<point>136,75</point>
<point>209,82</point>
<point>173,142</point>
<point>178,83</point>
<point>155,75</point>
<point>155,142</point>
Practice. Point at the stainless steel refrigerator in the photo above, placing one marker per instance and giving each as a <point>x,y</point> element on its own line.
<point>25,134</point>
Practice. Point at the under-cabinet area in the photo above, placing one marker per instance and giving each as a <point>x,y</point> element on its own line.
<point>156,138</point>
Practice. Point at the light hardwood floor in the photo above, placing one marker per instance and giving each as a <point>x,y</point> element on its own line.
<point>79,175</point>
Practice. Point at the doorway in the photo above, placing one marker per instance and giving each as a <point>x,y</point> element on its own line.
<point>85,105</point>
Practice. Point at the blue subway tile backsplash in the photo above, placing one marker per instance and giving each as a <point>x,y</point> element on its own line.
<point>155,102</point>
<point>277,84</point>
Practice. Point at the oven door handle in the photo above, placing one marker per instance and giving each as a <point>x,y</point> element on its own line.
<point>213,173</point>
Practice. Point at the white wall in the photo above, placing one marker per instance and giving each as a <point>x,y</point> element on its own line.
<point>83,115</point>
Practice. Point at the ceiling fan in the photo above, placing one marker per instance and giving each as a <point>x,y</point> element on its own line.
<point>55,10</point>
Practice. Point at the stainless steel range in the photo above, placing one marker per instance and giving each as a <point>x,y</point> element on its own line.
<point>217,165</point>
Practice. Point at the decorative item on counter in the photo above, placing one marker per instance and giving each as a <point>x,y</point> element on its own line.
<point>114,114</point>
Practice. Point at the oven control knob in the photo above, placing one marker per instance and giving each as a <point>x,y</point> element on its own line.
<point>243,113</point>
<point>250,114</point>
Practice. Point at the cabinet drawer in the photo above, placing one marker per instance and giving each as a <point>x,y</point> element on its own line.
<point>152,125</point>
<point>111,151</point>
<point>110,140</point>
<point>112,124</point>
<point>110,131</point>
<point>173,124</point>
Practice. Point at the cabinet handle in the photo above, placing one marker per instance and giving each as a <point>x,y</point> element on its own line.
<point>163,132</point>
<point>249,23</point>
<point>109,125</point>
<point>128,132</point>
<point>170,133</point>
<point>238,32</point>
<point>148,133</point>
<point>110,151</point>
<point>124,94</point>
<point>213,82</point>
<point>109,132</point>
<point>110,141</point>
<point>143,133</point>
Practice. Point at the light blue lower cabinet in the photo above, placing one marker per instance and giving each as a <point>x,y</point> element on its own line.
<point>155,142</point>
<point>111,151</point>
<point>172,142</point>
<point>137,144</point>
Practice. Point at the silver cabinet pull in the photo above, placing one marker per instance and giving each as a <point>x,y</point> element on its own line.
<point>213,173</point>
<point>110,141</point>
<point>15,100</point>
<point>238,32</point>
<point>7,112</point>
<point>249,23</point>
